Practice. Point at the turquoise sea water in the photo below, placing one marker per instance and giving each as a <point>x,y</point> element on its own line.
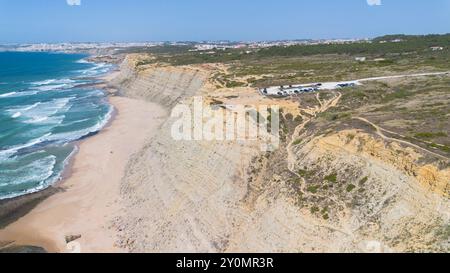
<point>44,107</point>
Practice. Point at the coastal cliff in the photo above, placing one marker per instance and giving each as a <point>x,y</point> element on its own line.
<point>204,196</point>
<point>179,195</point>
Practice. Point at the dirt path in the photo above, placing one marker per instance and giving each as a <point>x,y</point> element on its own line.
<point>404,76</point>
<point>380,133</point>
<point>313,112</point>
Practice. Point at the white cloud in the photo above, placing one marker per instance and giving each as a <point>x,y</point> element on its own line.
<point>374,2</point>
<point>74,2</point>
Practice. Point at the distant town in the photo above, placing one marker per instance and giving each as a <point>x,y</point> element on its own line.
<point>197,46</point>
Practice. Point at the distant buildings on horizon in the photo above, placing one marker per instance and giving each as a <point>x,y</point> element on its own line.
<point>204,46</point>
<point>197,46</point>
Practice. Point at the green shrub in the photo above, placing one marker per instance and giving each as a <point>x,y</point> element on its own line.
<point>400,94</point>
<point>297,142</point>
<point>350,188</point>
<point>363,181</point>
<point>303,173</point>
<point>429,135</point>
<point>331,178</point>
<point>232,84</point>
<point>313,189</point>
<point>314,209</point>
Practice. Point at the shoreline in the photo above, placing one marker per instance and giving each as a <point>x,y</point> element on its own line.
<point>87,198</point>
<point>68,162</point>
<point>103,85</point>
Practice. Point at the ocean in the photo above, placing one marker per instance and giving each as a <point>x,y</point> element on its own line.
<point>46,104</point>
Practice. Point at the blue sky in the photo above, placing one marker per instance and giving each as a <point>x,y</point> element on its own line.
<point>175,20</point>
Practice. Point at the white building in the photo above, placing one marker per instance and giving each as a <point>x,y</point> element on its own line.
<point>436,48</point>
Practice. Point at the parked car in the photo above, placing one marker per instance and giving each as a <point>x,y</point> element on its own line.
<point>343,85</point>
<point>308,89</point>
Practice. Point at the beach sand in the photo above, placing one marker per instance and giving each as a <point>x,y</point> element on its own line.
<point>89,199</point>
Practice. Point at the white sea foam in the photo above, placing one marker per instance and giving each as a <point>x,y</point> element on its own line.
<point>83,61</point>
<point>18,94</point>
<point>53,81</point>
<point>58,138</point>
<point>53,84</point>
<point>31,106</point>
<point>39,171</point>
<point>28,172</point>
<point>75,135</point>
<point>42,186</point>
<point>76,122</point>
<point>51,114</point>
<point>41,111</point>
<point>38,113</point>
<point>16,115</point>
<point>46,82</point>
<point>54,87</point>
<point>98,69</point>
<point>4,154</point>
<point>7,94</point>
<point>56,120</point>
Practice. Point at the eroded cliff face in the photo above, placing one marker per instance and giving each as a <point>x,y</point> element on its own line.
<point>345,191</point>
<point>183,196</point>
<point>380,190</point>
<point>179,195</point>
<point>405,159</point>
<point>164,85</point>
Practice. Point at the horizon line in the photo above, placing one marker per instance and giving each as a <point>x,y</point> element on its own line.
<point>226,40</point>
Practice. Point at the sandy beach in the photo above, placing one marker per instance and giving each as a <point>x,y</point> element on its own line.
<point>89,199</point>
